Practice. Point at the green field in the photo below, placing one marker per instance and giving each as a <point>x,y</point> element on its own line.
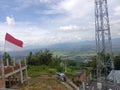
<point>62,53</point>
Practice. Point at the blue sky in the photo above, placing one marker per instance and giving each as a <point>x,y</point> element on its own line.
<point>43,22</point>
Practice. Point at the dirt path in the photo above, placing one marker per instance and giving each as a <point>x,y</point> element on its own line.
<point>70,85</point>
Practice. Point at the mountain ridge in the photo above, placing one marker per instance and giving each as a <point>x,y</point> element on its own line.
<point>71,48</point>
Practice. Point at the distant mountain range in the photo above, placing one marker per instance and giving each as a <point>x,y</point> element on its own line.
<point>70,48</point>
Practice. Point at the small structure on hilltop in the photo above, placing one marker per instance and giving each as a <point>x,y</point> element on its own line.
<point>116,75</point>
<point>12,74</point>
<point>80,76</point>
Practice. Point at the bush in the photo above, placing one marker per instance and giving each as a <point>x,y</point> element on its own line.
<point>52,71</point>
<point>60,69</point>
<point>44,67</point>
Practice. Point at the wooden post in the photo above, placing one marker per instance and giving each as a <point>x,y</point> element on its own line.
<point>21,72</point>
<point>83,85</point>
<point>16,79</point>
<point>26,72</point>
<point>2,67</point>
<point>7,61</point>
<point>13,61</point>
<point>26,69</point>
<point>9,81</point>
<point>3,73</point>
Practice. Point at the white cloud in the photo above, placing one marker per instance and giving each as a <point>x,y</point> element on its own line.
<point>68,12</point>
<point>45,1</point>
<point>22,4</point>
<point>33,35</point>
<point>115,28</point>
<point>69,9</point>
<point>10,21</point>
<point>74,8</point>
<point>117,10</point>
<point>115,22</point>
<point>71,16</point>
<point>69,28</point>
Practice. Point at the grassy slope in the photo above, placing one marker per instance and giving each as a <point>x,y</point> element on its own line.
<point>42,78</point>
<point>40,70</point>
<point>44,83</point>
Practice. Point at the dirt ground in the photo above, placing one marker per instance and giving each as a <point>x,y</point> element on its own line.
<point>43,83</point>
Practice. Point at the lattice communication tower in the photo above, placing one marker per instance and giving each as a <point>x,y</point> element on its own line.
<point>103,39</point>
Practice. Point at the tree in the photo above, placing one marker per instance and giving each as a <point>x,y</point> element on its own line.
<point>40,58</point>
<point>117,62</point>
<point>55,61</point>
<point>5,57</point>
<point>93,63</point>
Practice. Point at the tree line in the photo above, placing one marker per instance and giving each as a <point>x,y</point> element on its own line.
<point>116,60</point>
<point>44,57</point>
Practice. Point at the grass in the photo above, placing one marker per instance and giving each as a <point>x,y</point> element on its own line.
<point>70,73</point>
<point>40,70</point>
<point>44,83</point>
<point>43,78</point>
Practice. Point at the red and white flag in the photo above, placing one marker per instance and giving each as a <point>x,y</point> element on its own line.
<point>12,42</point>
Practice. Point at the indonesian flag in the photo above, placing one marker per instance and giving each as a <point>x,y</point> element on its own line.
<point>12,42</point>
